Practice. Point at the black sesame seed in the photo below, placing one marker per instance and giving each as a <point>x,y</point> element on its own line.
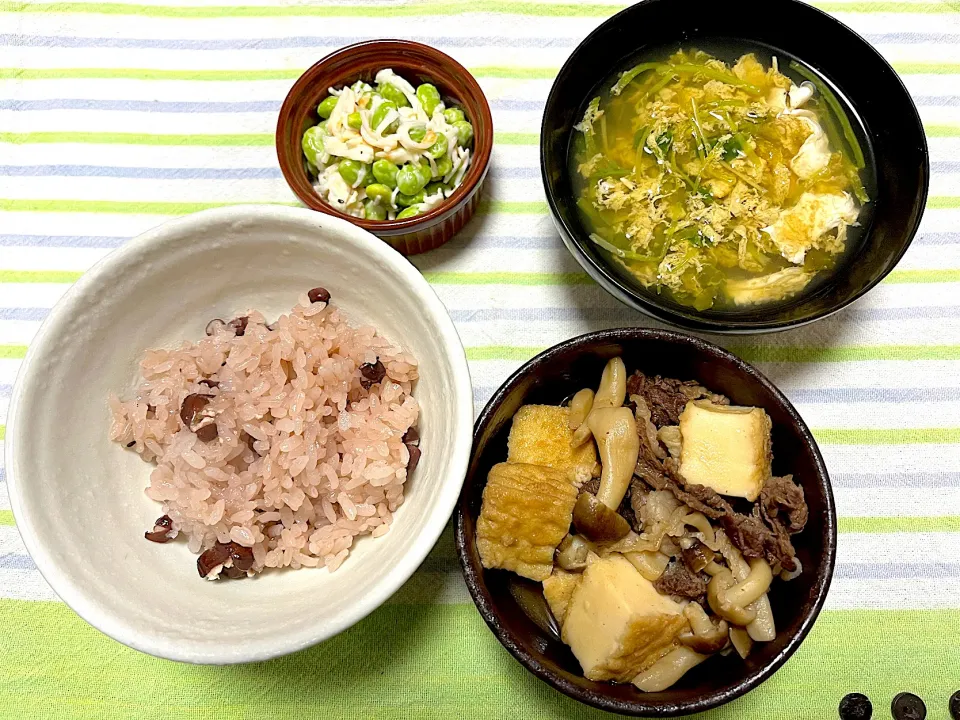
<point>856,706</point>
<point>907,706</point>
<point>131,443</point>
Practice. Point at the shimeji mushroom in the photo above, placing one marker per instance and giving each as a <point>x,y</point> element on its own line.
<point>611,394</point>
<point>615,431</point>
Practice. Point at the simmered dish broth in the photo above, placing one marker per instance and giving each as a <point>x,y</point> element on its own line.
<point>722,186</point>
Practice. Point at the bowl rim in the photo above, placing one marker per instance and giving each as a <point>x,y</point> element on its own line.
<point>482,145</point>
<point>120,629</point>
<point>488,608</point>
<point>690,320</point>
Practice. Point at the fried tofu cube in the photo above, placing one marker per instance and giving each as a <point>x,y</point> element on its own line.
<point>617,624</point>
<point>725,447</point>
<point>526,512</point>
<point>541,435</point>
<point>558,591</point>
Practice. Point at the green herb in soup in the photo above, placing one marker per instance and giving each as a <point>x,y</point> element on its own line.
<point>719,185</point>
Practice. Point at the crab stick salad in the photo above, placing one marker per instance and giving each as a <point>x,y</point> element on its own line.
<point>387,151</point>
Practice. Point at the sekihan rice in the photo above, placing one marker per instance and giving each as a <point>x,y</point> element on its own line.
<point>305,459</point>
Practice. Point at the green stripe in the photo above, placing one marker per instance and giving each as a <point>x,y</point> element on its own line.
<point>413,9</point>
<point>505,206</point>
<point>768,354</point>
<point>507,278</point>
<point>39,276</point>
<point>110,138</point>
<point>886,436</point>
<point>852,353</point>
<point>6,518</point>
<point>946,523</point>
<point>55,665</point>
<point>942,130</point>
<point>923,276</point>
<point>517,72</point>
<point>3,431</point>
<point>122,207</point>
<point>12,352</point>
<point>519,138</point>
<point>943,203</point>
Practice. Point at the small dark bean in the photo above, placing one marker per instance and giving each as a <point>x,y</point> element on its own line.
<point>239,325</point>
<point>318,294</point>
<point>213,325</point>
<point>209,559</point>
<point>372,373</point>
<point>411,437</point>
<point>856,706</point>
<point>161,530</point>
<point>207,433</point>
<point>192,405</point>
<point>955,705</point>
<point>209,383</point>
<point>131,443</point>
<point>414,458</point>
<point>907,706</point>
<point>242,557</point>
<point>234,573</point>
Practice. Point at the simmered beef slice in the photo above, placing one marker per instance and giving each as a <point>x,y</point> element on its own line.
<point>626,509</point>
<point>782,501</point>
<point>678,580</point>
<point>667,397</point>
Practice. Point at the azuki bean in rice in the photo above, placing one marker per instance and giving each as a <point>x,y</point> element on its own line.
<point>294,454</point>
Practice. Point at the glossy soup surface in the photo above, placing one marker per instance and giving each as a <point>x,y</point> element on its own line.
<point>721,185</point>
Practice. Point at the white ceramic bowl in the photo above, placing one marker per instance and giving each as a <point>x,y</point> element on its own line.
<point>79,500</point>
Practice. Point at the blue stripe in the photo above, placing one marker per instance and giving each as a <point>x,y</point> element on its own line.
<point>3,476</point>
<point>65,241</point>
<point>143,173</point>
<point>16,562</point>
<point>911,480</point>
<point>896,571</point>
<point>173,173</point>
<point>26,313</point>
<point>199,106</point>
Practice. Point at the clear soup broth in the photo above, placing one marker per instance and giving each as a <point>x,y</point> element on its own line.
<point>722,179</point>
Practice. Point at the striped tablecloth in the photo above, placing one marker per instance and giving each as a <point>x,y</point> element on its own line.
<point>116,116</point>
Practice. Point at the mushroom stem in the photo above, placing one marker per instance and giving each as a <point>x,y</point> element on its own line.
<point>615,431</point>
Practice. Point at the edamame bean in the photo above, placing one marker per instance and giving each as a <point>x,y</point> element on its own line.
<point>410,179</point>
<point>312,143</point>
<point>433,188</point>
<point>350,171</point>
<point>325,109</point>
<point>429,98</point>
<point>439,148</point>
<point>381,113</point>
<point>417,133</point>
<point>444,165</point>
<point>464,133</point>
<point>354,120</point>
<point>452,115</point>
<point>408,212</point>
<point>393,94</point>
<point>408,200</point>
<point>380,193</point>
<point>385,172</point>
<point>374,211</point>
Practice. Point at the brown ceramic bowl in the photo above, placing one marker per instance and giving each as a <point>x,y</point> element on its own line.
<point>555,375</point>
<point>417,63</point>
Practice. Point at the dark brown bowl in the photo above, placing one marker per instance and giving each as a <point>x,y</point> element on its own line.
<point>553,376</point>
<point>417,63</point>
<point>880,107</point>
